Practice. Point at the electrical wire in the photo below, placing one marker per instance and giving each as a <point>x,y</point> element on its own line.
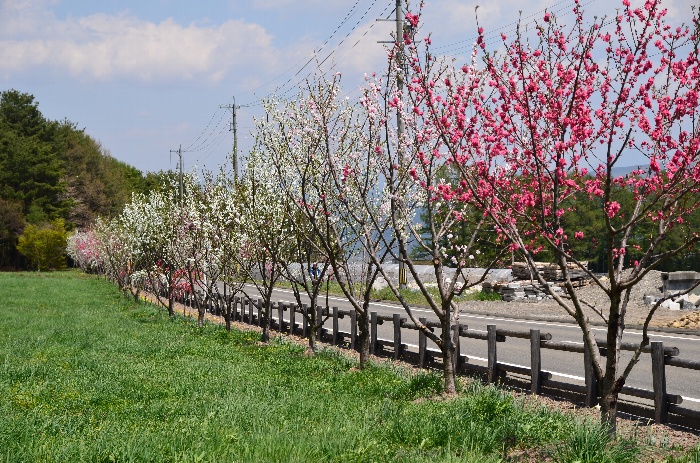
<point>510,28</point>
<point>211,148</point>
<point>204,143</point>
<point>289,81</point>
<point>313,54</point>
<point>203,131</point>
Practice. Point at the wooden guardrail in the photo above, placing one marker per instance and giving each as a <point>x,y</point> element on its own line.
<point>666,408</point>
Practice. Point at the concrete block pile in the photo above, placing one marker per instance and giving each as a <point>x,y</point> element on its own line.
<point>521,291</point>
<point>675,283</point>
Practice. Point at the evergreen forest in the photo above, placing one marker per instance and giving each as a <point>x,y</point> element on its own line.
<point>53,176</point>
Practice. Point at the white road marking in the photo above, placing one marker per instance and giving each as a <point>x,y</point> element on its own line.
<point>485,360</point>
<point>512,320</point>
<point>576,327</point>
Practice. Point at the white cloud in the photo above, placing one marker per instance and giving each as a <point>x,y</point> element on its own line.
<point>104,47</point>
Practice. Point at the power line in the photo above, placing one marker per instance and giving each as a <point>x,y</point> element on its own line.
<point>258,102</point>
<point>204,130</point>
<point>212,148</point>
<point>201,146</point>
<point>511,27</point>
<point>314,52</point>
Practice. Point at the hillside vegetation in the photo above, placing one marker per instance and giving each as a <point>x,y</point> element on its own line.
<point>52,170</point>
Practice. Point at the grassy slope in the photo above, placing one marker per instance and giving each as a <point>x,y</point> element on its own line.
<point>89,376</point>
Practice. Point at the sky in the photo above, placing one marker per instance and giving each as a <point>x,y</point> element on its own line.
<point>144,77</point>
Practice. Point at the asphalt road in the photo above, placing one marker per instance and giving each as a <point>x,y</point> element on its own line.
<point>564,366</point>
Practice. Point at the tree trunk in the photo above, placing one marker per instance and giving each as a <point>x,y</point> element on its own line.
<point>610,387</point>
<point>227,316</point>
<point>448,350</point>
<point>364,337</point>
<point>266,322</point>
<point>311,315</point>
<point>449,370</point>
<point>171,306</point>
<point>608,411</point>
<point>312,338</point>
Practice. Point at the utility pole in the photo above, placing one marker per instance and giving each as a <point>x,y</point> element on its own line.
<point>179,154</point>
<point>399,120</point>
<point>233,128</point>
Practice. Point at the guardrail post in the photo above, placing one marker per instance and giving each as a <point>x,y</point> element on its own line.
<point>335,326</point>
<point>353,329</point>
<point>250,311</point>
<point>373,331</point>
<point>591,398</point>
<point>422,344</point>
<point>456,329</point>
<point>260,312</point>
<point>292,317</point>
<point>280,316</point>
<point>492,357</point>
<point>397,336</point>
<point>319,322</point>
<point>535,361</point>
<point>658,374</point>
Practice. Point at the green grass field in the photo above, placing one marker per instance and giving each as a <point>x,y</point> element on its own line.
<point>89,376</point>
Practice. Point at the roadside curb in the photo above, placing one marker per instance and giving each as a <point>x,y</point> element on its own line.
<point>659,329</point>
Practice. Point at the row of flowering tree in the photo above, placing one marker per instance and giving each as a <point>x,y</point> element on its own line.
<point>532,130</point>
<point>169,245</point>
<point>354,190</point>
<point>493,154</point>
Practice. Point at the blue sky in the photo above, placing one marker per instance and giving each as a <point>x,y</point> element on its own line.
<point>144,76</point>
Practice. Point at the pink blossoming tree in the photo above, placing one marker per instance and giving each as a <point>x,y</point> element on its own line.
<point>559,112</point>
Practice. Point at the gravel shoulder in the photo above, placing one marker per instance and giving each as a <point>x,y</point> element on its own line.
<point>637,310</point>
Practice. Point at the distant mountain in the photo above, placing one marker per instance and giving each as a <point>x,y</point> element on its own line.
<point>619,171</point>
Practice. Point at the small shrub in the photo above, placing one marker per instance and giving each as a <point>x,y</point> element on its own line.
<point>426,384</point>
<point>484,296</point>
<point>45,246</point>
<point>692,456</point>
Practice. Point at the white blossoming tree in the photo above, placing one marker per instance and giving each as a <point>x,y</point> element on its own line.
<point>266,232</point>
<point>311,141</point>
